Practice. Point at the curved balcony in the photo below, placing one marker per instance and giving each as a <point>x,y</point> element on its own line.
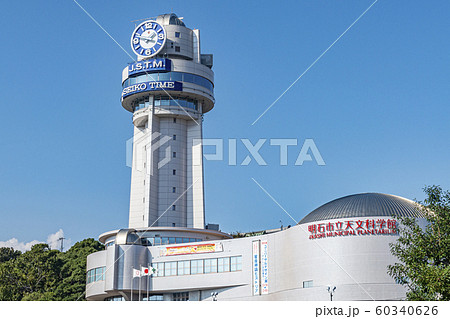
<point>140,117</point>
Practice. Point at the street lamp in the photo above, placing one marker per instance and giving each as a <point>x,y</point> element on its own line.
<point>331,291</point>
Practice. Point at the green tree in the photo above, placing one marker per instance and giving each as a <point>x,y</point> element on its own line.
<point>7,253</point>
<point>73,284</point>
<point>45,274</point>
<point>31,273</point>
<point>423,251</point>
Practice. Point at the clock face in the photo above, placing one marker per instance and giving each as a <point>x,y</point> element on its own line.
<point>148,38</point>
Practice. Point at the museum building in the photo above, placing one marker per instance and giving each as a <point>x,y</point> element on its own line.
<point>343,244</point>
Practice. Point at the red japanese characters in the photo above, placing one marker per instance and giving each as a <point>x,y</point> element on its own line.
<point>379,226</point>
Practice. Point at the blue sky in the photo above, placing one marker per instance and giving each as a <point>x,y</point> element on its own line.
<point>376,105</point>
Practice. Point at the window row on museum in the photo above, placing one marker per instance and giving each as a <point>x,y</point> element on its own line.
<point>198,266</point>
<point>96,274</point>
<point>181,268</point>
<point>158,241</point>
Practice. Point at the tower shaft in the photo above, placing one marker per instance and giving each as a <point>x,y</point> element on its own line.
<point>167,172</point>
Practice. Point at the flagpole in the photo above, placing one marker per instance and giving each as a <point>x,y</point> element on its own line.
<point>148,280</point>
<point>140,269</point>
<point>132,277</point>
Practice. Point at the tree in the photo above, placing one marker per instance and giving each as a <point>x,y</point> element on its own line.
<point>45,274</point>
<point>31,273</point>
<point>423,251</point>
<point>7,253</point>
<point>73,284</point>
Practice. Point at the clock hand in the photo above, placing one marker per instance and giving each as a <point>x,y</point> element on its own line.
<point>146,39</point>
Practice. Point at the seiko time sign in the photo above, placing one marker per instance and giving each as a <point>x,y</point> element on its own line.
<point>148,39</point>
<point>152,86</point>
<point>339,228</point>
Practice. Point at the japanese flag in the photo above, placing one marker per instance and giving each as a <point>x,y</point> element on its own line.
<point>144,271</point>
<point>136,273</point>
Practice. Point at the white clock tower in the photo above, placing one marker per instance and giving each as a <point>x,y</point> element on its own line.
<point>168,89</point>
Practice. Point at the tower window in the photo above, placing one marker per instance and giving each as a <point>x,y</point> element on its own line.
<point>174,119</point>
<point>174,189</point>
<point>177,49</point>
<point>174,137</point>
<point>177,34</point>
<point>174,154</point>
<point>174,207</point>
<point>174,172</point>
<point>173,224</point>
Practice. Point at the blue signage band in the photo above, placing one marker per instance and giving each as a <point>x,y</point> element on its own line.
<point>152,86</point>
<point>149,66</point>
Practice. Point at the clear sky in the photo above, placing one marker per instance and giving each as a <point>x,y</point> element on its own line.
<point>376,105</point>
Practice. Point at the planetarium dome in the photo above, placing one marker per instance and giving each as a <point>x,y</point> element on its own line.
<point>364,205</point>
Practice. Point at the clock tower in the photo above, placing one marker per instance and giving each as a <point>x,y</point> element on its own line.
<point>167,89</point>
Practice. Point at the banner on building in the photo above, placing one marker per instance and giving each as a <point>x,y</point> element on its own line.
<point>191,249</point>
<point>264,268</point>
<point>255,268</point>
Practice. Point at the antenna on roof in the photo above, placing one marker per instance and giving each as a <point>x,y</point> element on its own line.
<point>151,18</point>
<point>62,243</point>
<point>135,24</point>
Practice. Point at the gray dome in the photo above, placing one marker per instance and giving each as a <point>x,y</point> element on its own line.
<point>169,19</point>
<point>364,205</point>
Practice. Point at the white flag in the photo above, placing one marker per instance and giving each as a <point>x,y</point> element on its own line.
<point>144,271</point>
<point>154,270</point>
<point>136,273</point>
